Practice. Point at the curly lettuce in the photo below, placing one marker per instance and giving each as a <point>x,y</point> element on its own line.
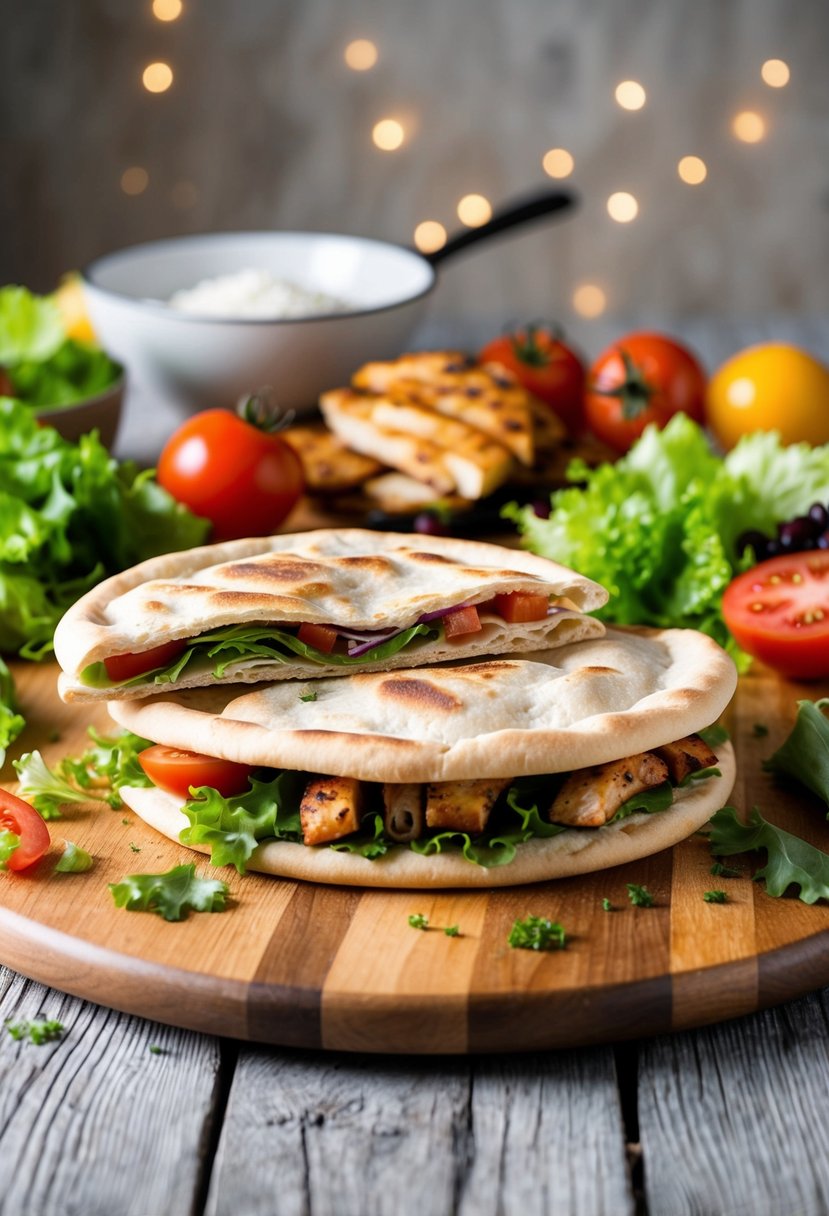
<point>659,527</point>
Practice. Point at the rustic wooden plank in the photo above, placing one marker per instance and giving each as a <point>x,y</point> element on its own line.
<point>367,1136</point>
<point>732,1119</point>
<point>97,1123</point>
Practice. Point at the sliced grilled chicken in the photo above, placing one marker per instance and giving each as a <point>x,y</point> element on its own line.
<point>330,808</point>
<point>403,811</point>
<point>462,806</point>
<point>591,796</point>
<point>686,756</point>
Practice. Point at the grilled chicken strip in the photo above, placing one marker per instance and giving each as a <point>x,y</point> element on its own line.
<point>330,808</point>
<point>686,756</point>
<point>462,806</point>
<point>591,796</point>
<point>403,811</point>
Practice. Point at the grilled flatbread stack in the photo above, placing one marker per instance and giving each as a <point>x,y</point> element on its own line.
<point>442,422</point>
<point>314,604</point>
<point>478,774</point>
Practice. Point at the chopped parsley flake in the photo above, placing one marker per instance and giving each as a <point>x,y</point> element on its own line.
<point>537,933</point>
<point>135,847</point>
<point>607,906</point>
<point>640,897</point>
<point>37,1031</point>
<point>715,897</point>
<point>308,696</point>
<point>155,1050</point>
<point>721,871</point>
<point>418,921</point>
<point>452,930</point>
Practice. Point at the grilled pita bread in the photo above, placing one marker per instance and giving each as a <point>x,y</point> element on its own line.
<point>579,706</point>
<point>349,578</point>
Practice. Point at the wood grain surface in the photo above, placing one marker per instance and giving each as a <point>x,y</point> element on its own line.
<point>313,966</point>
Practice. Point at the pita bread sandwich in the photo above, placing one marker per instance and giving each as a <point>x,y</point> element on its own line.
<point>314,604</point>
<point>480,774</point>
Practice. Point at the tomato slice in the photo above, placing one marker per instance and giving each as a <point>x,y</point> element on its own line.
<point>461,621</point>
<point>18,817</point>
<point>779,612</point>
<point>519,606</point>
<point>176,771</point>
<point>127,666</point>
<point>321,637</point>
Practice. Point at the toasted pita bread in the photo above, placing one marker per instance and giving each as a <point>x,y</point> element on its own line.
<point>580,706</point>
<point>557,710</point>
<point>349,578</point>
<point>572,852</point>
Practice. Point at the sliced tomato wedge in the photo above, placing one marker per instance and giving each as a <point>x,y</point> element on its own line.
<point>127,666</point>
<point>176,771</point>
<point>461,621</point>
<point>519,606</point>
<point>321,637</point>
<point>779,612</point>
<point>18,817</point>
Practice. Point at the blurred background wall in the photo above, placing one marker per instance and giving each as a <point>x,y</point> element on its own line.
<point>260,121</point>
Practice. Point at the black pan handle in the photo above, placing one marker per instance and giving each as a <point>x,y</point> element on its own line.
<point>520,211</point>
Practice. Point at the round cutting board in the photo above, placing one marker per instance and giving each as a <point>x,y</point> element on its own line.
<point>314,966</point>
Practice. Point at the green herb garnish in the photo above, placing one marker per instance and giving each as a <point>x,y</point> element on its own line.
<point>308,696</point>
<point>607,906</point>
<point>36,1031</point>
<point>96,776</point>
<point>790,861</point>
<point>640,897</point>
<point>418,921</point>
<point>452,930</point>
<point>715,897</point>
<point>721,871</point>
<point>804,756</point>
<point>537,933</point>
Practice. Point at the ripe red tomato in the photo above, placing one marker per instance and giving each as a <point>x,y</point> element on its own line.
<point>546,366</point>
<point>779,612</point>
<point>126,666</point>
<point>640,379</point>
<point>321,637</point>
<point>18,817</point>
<point>461,621</point>
<point>176,771</point>
<point>517,607</point>
<point>243,479</point>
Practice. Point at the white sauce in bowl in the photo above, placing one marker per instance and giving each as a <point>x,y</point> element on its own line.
<point>254,293</point>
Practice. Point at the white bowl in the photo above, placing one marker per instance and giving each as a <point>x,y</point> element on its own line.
<point>198,361</point>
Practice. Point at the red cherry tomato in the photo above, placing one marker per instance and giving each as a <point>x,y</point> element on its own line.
<point>519,606</point>
<point>176,771</point>
<point>243,479</point>
<point>18,817</point>
<point>779,612</point>
<point>127,666</point>
<point>460,621</point>
<point>546,366</point>
<point>640,379</point>
<point>321,637</point>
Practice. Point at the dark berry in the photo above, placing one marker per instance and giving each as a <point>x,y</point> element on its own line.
<point>796,534</point>
<point>819,515</point>
<point>823,541</point>
<point>429,524</point>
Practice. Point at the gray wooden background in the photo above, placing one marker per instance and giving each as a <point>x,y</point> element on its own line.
<point>266,126</point>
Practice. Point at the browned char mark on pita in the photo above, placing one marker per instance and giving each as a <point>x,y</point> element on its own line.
<point>420,694</point>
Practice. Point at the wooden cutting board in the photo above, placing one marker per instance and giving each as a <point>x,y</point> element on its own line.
<point>314,966</point>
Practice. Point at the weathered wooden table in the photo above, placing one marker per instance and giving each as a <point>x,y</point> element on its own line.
<point>129,1118</point>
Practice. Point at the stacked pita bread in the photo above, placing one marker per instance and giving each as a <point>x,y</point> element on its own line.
<point>418,760</point>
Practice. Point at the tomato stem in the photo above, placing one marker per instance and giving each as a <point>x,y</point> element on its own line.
<point>527,348</point>
<point>261,411</point>
<point>634,392</point>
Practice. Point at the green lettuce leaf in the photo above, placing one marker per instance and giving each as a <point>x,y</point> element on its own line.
<point>96,776</point>
<point>791,861</point>
<point>170,895</point>
<point>73,860</point>
<point>233,827</point>
<point>31,326</point>
<point>659,527</point>
<point>70,515</point>
<point>9,841</point>
<point>74,372</point>
<point>650,802</point>
<point>234,643</point>
<point>371,844</point>
<point>11,722</point>
<point>804,756</point>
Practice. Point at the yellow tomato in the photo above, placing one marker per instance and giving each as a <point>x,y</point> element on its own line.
<point>770,388</point>
<point>70,300</point>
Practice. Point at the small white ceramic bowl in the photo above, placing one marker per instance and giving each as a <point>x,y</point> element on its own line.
<point>199,361</point>
<point>202,361</point>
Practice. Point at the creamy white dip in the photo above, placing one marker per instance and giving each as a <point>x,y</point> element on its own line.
<point>254,293</point>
